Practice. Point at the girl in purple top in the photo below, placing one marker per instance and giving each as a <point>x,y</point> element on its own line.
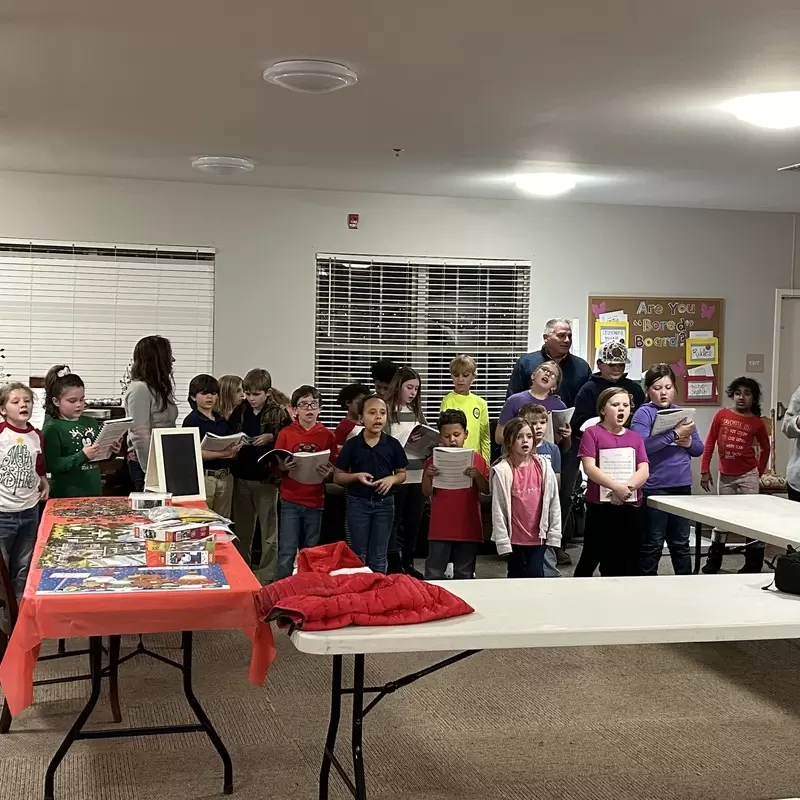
<point>613,517</point>
<point>671,455</point>
<point>544,382</point>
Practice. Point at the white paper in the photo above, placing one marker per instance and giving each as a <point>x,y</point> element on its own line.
<point>562,416</point>
<point>612,335</point>
<point>618,463</point>
<point>701,335</point>
<point>703,371</point>
<point>307,463</point>
<point>111,432</point>
<point>669,418</point>
<point>419,441</point>
<point>216,444</point>
<point>451,463</point>
<point>37,412</point>
<point>353,433</point>
<point>613,316</point>
<point>702,390</point>
<point>635,367</point>
<point>591,422</point>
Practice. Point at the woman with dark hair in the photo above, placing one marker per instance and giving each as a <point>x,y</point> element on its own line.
<point>670,455</point>
<point>149,401</point>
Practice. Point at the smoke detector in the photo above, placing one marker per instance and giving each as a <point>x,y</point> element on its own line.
<point>310,77</point>
<point>222,165</point>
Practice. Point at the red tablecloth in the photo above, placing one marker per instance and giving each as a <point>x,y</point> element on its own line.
<point>80,616</point>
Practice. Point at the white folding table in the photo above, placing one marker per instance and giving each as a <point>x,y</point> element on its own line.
<point>540,613</point>
<point>773,520</point>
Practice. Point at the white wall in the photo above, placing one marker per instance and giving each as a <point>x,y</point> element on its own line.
<point>267,240</point>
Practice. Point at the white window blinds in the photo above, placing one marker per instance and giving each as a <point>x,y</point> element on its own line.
<point>420,312</point>
<point>86,305</point>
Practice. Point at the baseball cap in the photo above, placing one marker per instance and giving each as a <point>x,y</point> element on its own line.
<point>613,353</point>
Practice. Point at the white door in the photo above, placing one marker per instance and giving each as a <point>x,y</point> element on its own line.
<point>788,371</point>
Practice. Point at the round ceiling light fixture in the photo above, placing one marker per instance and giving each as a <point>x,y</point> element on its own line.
<point>310,77</point>
<point>775,110</point>
<point>546,184</point>
<point>222,165</point>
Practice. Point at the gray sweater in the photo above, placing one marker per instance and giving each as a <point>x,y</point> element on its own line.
<point>790,429</point>
<point>145,409</point>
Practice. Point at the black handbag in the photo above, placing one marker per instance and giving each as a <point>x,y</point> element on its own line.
<point>787,573</point>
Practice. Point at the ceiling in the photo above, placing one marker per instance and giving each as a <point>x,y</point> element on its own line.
<point>625,92</point>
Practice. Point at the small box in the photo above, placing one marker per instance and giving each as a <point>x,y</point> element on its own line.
<point>179,558</point>
<point>169,532</point>
<point>141,501</point>
<point>154,545</point>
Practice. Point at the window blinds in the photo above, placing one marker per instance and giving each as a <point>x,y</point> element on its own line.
<point>420,312</point>
<point>86,305</point>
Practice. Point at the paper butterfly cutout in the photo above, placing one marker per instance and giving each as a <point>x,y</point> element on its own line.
<point>679,368</point>
<point>598,308</point>
<point>707,311</point>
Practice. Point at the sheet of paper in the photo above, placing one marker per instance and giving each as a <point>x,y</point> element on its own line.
<point>353,433</point>
<point>420,441</point>
<point>702,334</point>
<point>703,371</point>
<point>562,417</point>
<point>668,419</point>
<point>307,463</point>
<point>635,367</point>
<point>217,444</point>
<point>613,316</point>
<point>618,463</point>
<point>451,463</point>
<point>700,390</point>
<point>590,422</point>
<point>111,432</point>
<point>37,413</point>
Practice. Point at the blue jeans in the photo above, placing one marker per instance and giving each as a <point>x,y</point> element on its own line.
<point>370,523</point>
<point>659,526</point>
<point>526,561</point>
<point>137,475</point>
<point>299,528</point>
<point>551,563</point>
<point>18,531</point>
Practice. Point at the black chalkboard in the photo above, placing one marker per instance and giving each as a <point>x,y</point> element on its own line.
<point>180,463</point>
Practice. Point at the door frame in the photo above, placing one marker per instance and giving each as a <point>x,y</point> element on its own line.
<point>780,295</point>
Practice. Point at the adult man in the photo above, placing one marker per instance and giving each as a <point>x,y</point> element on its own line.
<point>575,372</point>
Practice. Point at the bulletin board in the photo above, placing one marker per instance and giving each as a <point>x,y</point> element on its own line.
<point>687,333</point>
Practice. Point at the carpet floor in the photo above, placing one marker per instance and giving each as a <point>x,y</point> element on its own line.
<point>718,722</point>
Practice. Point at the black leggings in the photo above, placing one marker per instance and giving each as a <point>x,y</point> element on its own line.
<point>408,504</point>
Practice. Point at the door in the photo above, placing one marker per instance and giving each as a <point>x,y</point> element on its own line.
<point>788,378</point>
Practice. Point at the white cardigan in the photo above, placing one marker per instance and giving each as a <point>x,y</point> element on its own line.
<point>550,527</point>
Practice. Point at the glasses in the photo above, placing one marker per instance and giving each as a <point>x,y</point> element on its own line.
<point>309,406</point>
<point>549,372</point>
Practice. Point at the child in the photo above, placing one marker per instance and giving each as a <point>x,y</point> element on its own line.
<point>69,437</point>
<point>371,465</point>
<point>404,405</point>
<point>230,396</point>
<point>382,373</point>
<point>349,399</point>
<point>217,464</point>
<point>463,370</point>
<point>255,490</point>
<point>302,503</point>
<point>456,531</point>
<point>536,416</point>
<point>734,431</point>
<point>670,455</point>
<point>23,484</point>
<point>611,538</point>
<point>526,516</point>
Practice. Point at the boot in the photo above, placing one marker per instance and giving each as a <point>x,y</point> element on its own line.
<point>714,558</point>
<point>753,558</point>
<point>393,564</point>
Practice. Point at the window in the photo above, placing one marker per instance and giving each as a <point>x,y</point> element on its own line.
<point>86,305</point>
<point>420,312</point>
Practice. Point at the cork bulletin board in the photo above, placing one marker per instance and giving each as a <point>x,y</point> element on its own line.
<point>685,332</point>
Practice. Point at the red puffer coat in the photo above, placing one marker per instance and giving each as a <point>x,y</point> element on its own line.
<point>315,600</point>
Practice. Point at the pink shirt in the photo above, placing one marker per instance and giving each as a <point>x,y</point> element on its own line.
<point>526,503</point>
<point>597,438</point>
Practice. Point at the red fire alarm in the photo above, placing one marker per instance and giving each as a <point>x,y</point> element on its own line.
<point>352,221</point>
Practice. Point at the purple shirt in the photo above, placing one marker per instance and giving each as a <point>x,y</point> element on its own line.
<point>597,438</point>
<point>670,466</point>
<point>516,401</point>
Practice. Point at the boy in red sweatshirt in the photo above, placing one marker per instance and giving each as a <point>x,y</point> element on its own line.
<point>735,432</point>
<point>302,503</point>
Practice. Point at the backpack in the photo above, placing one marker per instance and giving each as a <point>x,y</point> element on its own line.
<point>787,573</point>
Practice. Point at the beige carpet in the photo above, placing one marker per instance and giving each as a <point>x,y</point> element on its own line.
<point>666,722</point>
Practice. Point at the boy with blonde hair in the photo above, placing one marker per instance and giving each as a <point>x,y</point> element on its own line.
<point>463,370</point>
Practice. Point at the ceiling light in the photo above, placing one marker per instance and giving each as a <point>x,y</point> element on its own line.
<point>776,110</point>
<point>546,184</point>
<point>223,165</point>
<point>310,77</point>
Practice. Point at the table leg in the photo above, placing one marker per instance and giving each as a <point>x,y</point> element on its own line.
<point>95,668</point>
<point>205,722</point>
<point>113,677</point>
<point>333,728</point>
<point>356,741</point>
<point>698,546</point>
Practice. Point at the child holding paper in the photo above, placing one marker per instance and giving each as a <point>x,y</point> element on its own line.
<point>670,454</point>
<point>455,531</point>
<point>302,503</point>
<point>616,466</point>
<point>526,516</point>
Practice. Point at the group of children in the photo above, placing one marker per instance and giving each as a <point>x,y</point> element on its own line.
<point>385,491</point>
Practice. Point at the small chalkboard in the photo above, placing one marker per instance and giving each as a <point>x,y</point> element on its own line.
<point>175,464</point>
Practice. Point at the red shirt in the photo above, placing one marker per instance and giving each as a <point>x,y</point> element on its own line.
<point>343,430</point>
<point>296,439</point>
<point>456,513</point>
<point>734,434</point>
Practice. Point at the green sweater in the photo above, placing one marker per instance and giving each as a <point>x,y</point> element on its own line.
<point>71,473</point>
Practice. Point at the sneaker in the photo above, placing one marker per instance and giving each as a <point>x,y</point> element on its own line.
<point>448,572</point>
<point>562,557</point>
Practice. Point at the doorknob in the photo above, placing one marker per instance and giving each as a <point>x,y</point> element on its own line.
<point>780,411</point>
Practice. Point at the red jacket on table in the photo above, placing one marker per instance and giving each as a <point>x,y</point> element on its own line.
<point>735,434</point>
<point>296,439</point>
